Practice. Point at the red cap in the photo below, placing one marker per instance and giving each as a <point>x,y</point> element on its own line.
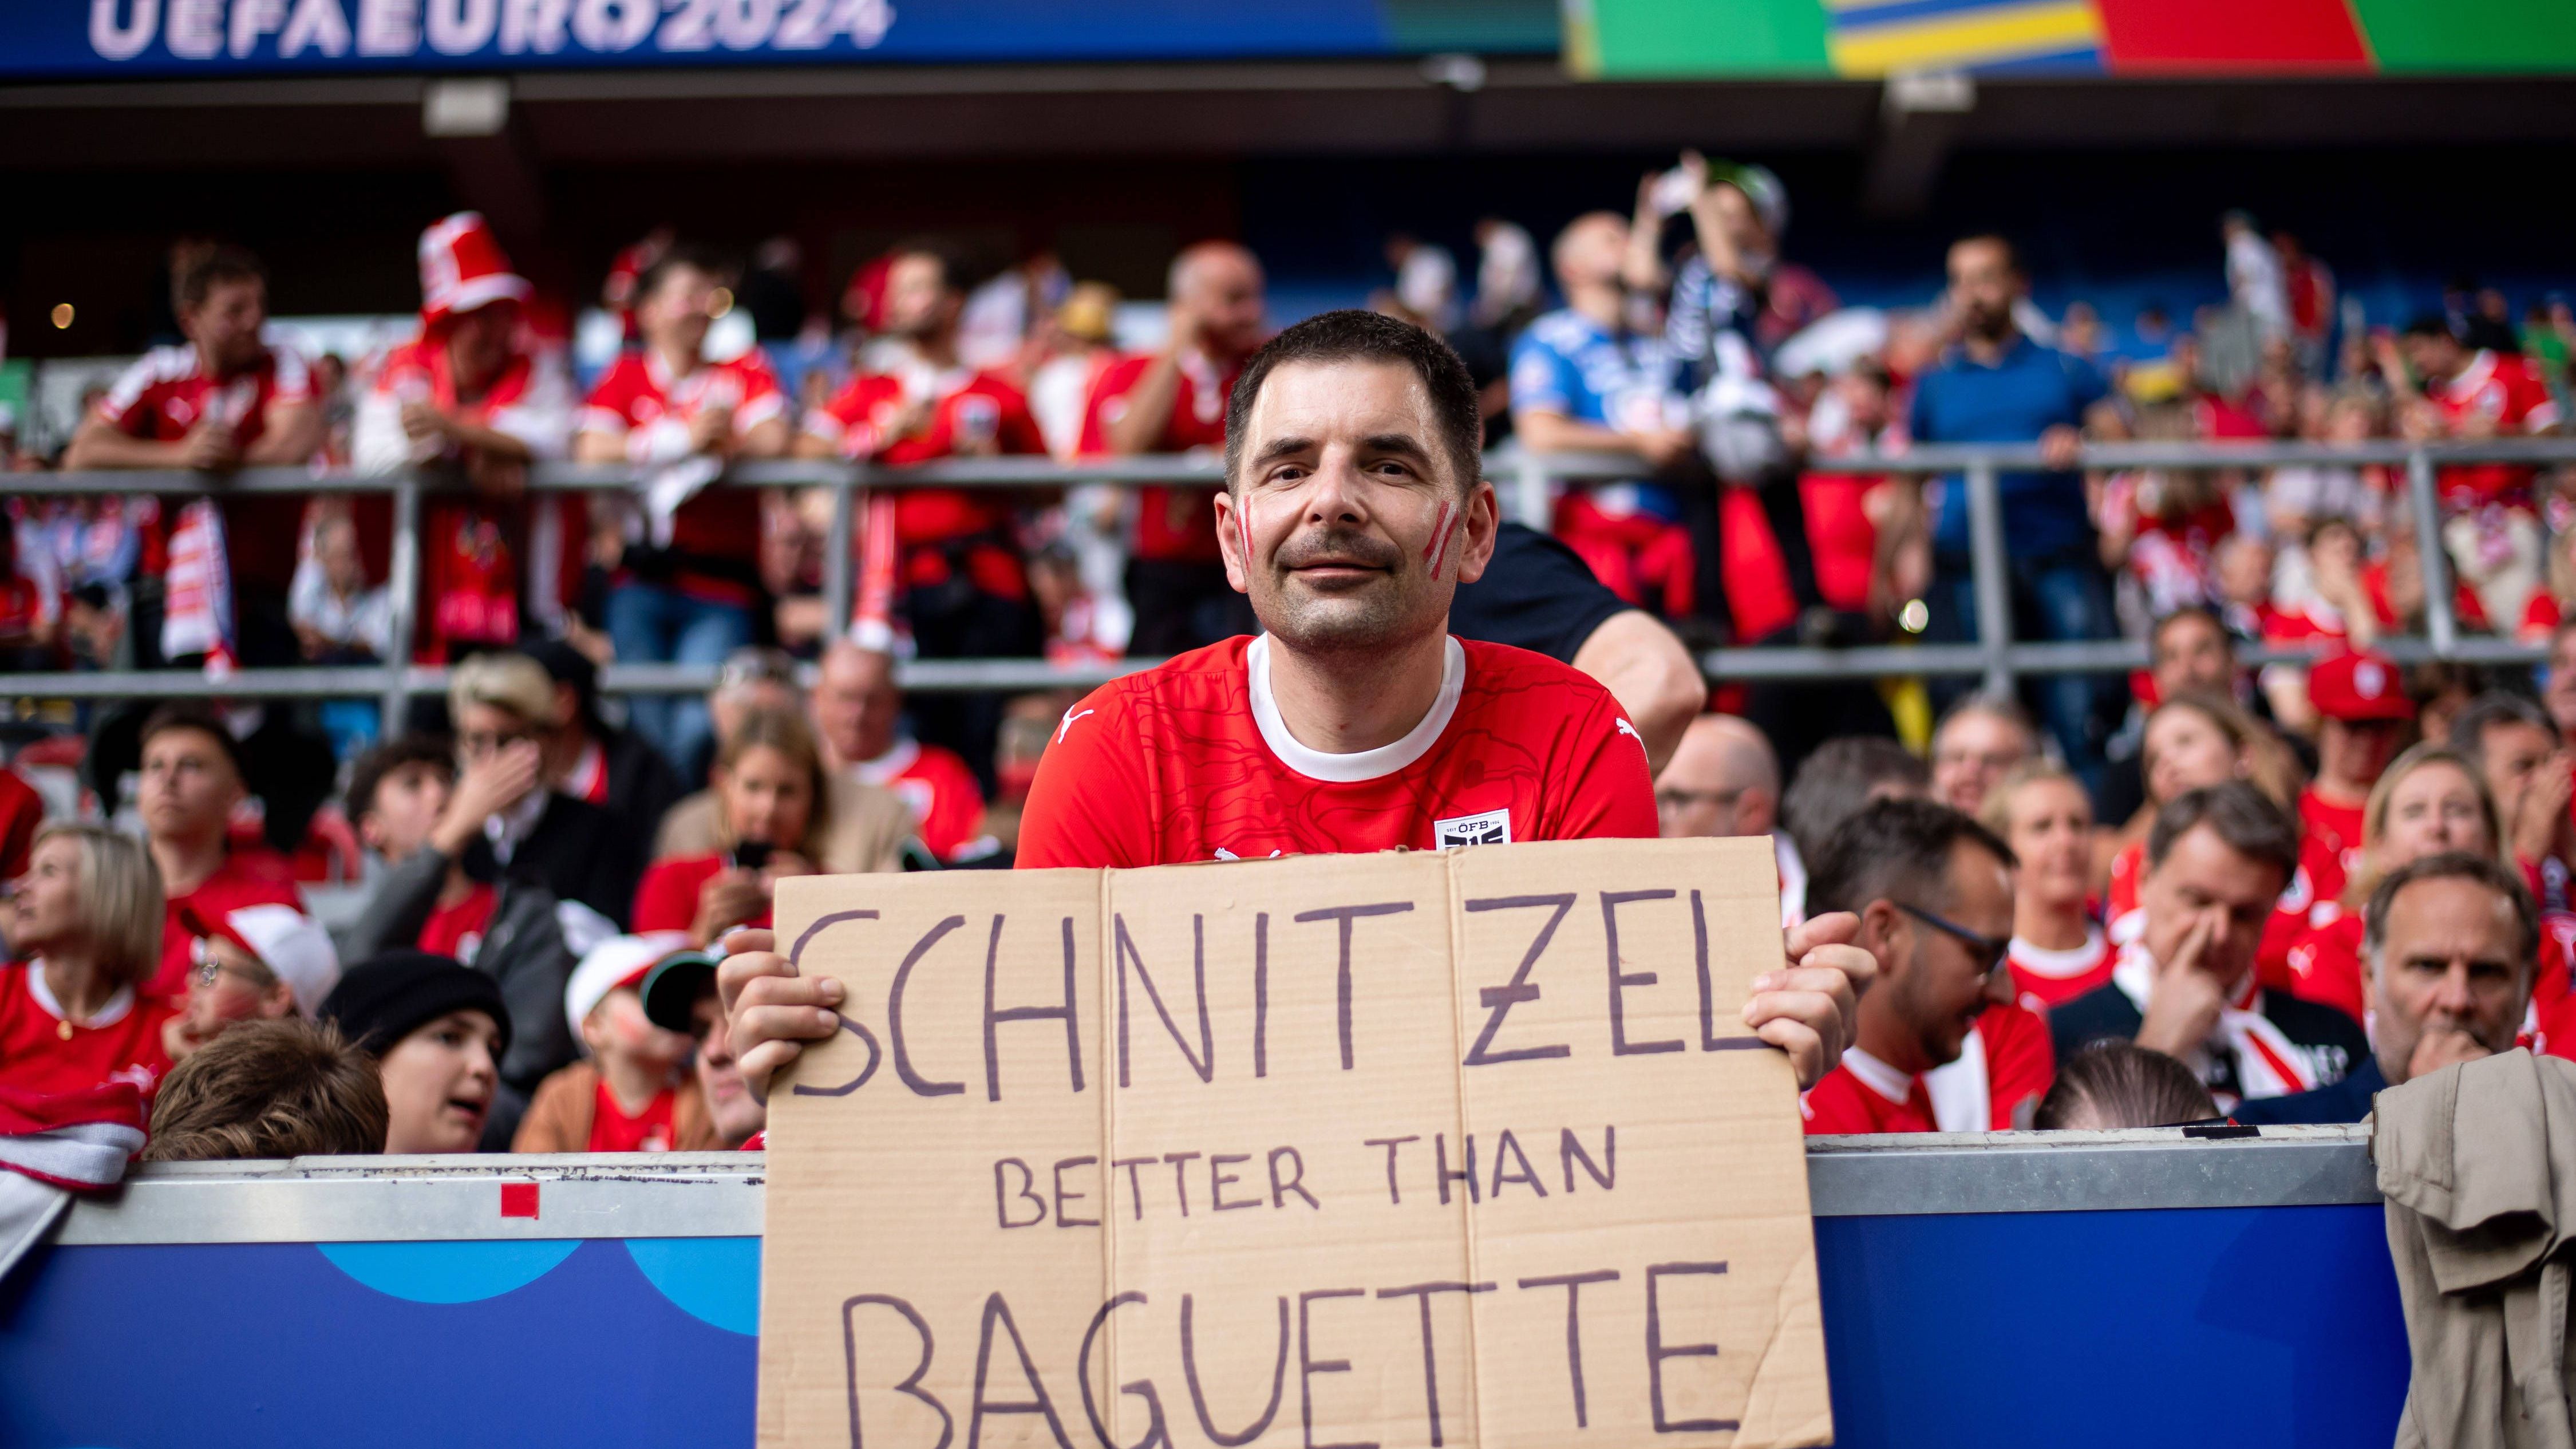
<point>462,268</point>
<point>2358,685</point>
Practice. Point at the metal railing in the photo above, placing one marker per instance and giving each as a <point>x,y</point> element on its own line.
<point>1527,480</point>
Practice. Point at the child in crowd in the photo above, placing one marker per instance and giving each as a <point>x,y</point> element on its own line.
<point>258,962</point>
<point>85,925</point>
<point>283,1088</point>
<point>629,1097</point>
<point>436,1028</point>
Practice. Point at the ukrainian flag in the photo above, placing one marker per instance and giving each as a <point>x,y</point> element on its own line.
<point>1876,37</point>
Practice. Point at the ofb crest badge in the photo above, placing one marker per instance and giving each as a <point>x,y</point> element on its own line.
<point>1494,827</point>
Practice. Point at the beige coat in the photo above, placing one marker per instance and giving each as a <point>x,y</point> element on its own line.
<point>869,827</point>
<point>2478,1163</point>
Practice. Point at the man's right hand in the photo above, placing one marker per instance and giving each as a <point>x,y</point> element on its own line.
<point>2442,1047</point>
<point>770,1011</point>
<point>211,447</point>
<point>710,429</point>
<point>2184,1007</point>
<point>1182,328</point>
<point>1664,447</point>
<point>485,789</point>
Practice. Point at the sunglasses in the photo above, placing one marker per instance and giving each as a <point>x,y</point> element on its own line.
<point>1987,951</point>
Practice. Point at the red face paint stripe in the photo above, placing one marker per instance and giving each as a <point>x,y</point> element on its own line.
<point>1436,551</point>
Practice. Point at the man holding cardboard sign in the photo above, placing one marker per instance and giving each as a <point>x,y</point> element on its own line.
<point>1354,506</point>
<point>1461,1149</point>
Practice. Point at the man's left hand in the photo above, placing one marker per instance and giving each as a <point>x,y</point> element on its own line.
<point>1806,1009</point>
<point>2060,447</point>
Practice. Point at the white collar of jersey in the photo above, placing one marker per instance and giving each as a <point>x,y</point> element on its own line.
<point>1877,1075</point>
<point>2059,965</point>
<point>890,764</point>
<point>1364,764</point>
<point>43,994</point>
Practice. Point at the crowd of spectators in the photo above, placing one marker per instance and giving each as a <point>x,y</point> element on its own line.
<point>2229,870</point>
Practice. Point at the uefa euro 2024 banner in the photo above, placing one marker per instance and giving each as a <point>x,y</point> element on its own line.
<point>96,39</point>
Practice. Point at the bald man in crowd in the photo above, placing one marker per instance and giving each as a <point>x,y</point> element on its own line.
<point>1723,779</point>
<point>1173,401</point>
<point>858,715</point>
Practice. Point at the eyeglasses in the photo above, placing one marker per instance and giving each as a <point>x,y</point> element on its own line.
<point>206,968</point>
<point>1989,951</point>
<point>482,742</point>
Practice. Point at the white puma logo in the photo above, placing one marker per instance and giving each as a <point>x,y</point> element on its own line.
<point>1629,730</point>
<point>1069,717</point>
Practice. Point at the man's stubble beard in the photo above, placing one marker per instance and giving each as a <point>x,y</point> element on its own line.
<point>1392,609</point>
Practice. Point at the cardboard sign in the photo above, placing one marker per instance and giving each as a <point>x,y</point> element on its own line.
<point>1338,1152</point>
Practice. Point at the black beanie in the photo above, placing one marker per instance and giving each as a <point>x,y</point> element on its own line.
<point>390,995</point>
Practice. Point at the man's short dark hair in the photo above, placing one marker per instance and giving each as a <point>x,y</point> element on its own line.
<point>1351,335</point>
<point>2244,818</point>
<point>281,1088</point>
<point>2454,865</point>
<point>2430,324</point>
<point>695,258</point>
<point>2201,612</point>
<point>1841,777</point>
<point>955,272</point>
<point>373,766</point>
<point>219,265</point>
<point>1897,850</point>
<point>193,714</point>
<point>2115,1084</point>
<point>2012,254</point>
<point>2495,707</point>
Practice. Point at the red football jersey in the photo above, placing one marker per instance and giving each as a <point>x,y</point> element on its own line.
<point>1177,524</point>
<point>1864,1094</point>
<point>253,877</point>
<point>1191,761</point>
<point>666,899</point>
<point>2043,978</point>
<point>42,1052</point>
<point>2120,903</point>
<point>2549,1025</point>
<point>457,931</point>
<point>2506,392</point>
<point>650,1130</point>
<point>2338,826</point>
<point>639,398</point>
<point>944,798</point>
<point>969,410</point>
<point>2325,966</point>
<point>165,393</point>
<point>2313,899</point>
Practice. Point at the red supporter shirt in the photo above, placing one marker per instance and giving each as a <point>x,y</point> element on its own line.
<point>2004,1067</point>
<point>970,407</point>
<point>25,607</point>
<point>1191,761</point>
<point>2325,966</point>
<point>2505,391</point>
<point>1172,524</point>
<point>2313,898</point>
<point>457,931</point>
<point>2120,903</point>
<point>469,579</point>
<point>666,899</point>
<point>256,876</point>
<point>639,398</point>
<point>650,1130</point>
<point>165,393</point>
<point>22,814</point>
<point>42,1052</point>
<point>946,802</point>
<point>2551,1021</point>
<point>2044,978</point>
